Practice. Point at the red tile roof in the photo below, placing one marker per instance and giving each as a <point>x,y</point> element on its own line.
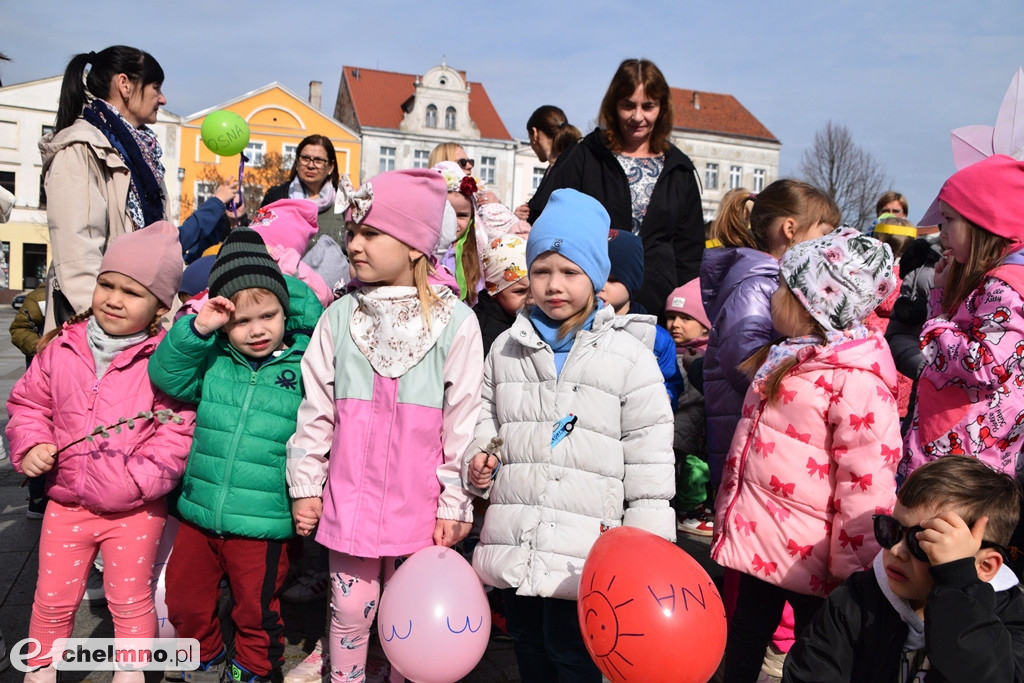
<point>717,113</point>
<point>378,98</point>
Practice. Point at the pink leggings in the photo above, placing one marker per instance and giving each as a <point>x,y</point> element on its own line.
<point>355,594</point>
<point>70,539</point>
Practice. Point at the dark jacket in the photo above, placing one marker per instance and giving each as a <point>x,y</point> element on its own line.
<point>27,326</point>
<point>492,318</point>
<point>917,271</point>
<point>973,634</point>
<point>205,227</point>
<point>328,222</point>
<point>736,286</point>
<point>673,227</point>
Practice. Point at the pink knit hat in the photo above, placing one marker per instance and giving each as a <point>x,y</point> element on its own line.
<point>686,299</point>
<point>151,257</point>
<point>407,204</point>
<point>990,194</point>
<point>288,222</point>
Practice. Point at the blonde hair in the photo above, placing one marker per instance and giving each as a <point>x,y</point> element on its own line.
<point>421,272</point>
<point>152,329</point>
<point>445,151</point>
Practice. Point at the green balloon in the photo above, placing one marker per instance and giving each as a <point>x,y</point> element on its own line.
<point>224,133</point>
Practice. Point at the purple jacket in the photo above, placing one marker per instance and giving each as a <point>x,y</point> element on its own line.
<point>736,285</point>
<point>59,399</point>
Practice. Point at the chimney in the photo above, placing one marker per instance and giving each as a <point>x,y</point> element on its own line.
<point>315,90</point>
<point>696,100</point>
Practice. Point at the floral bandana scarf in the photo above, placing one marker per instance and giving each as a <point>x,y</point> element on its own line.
<point>389,330</point>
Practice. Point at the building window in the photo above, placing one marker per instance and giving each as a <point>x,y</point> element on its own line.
<point>46,130</point>
<point>33,265</point>
<point>387,159</point>
<point>420,158</point>
<point>538,176</point>
<point>42,190</point>
<point>255,151</point>
<point>487,166</point>
<point>6,247</point>
<point>735,177</point>
<point>7,181</point>
<point>449,118</point>
<point>204,190</point>
<point>289,151</point>
<point>758,179</point>
<point>431,117</point>
<point>711,176</point>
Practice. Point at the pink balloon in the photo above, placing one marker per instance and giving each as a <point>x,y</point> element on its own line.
<point>434,620</point>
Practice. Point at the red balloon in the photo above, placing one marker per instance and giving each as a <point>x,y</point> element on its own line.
<point>648,611</point>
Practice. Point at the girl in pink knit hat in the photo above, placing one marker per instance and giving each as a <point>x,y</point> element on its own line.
<point>970,396</point>
<point>107,493</point>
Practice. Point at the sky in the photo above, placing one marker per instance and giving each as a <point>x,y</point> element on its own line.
<point>898,74</point>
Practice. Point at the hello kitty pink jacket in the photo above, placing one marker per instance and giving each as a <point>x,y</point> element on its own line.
<point>970,397</point>
<point>806,472</point>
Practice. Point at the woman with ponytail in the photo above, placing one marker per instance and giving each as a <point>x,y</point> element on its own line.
<point>102,171</point>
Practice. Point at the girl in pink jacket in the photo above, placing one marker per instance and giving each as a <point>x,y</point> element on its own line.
<point>816,448</point>
<point>107,493</point>
<point>392,380</point>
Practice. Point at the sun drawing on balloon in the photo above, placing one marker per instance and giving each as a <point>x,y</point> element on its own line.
<point>601,617</point>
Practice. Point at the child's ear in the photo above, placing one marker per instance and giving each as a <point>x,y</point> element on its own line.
<point>988,562</point>
<point>414,255</point>
<point>789,229</point>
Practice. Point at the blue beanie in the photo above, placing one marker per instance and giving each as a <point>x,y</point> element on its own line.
<point>575,226</point>
<point>196,277</point>
<point>626,252</point>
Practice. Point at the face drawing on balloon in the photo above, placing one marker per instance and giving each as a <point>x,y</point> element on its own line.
<point>453,626</point>
<point>603,616</point>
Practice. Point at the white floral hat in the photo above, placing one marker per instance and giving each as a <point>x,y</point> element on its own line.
<point>839,278</point>
<point>504,262</point>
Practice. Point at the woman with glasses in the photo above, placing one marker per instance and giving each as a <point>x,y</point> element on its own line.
<point>646,183</point>
<point>314,176</point>
<point>451,151</point>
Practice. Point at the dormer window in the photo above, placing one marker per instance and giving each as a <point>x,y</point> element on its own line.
<point>431,116</point>
<point>443,80</point>
<point>449,118</point>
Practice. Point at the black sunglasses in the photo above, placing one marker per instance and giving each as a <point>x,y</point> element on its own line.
<point>889,532</point>
<point>463,163</point>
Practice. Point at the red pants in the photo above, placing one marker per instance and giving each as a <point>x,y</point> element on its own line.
<point>255,570</point>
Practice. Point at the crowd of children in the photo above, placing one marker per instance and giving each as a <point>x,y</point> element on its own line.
<point>522,386</point>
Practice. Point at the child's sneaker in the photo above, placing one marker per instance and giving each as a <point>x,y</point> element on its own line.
<point>208,672</point>
<point>774,659</point>
<point>316,667</point>
<point>377,671</point>
<point>313,585</point>
<point>698,522</point>
<point>94,591</point>
<point>237,672</point>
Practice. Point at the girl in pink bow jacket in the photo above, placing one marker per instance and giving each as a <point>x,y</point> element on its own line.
<point>106,493</point>
<point>816,448</point>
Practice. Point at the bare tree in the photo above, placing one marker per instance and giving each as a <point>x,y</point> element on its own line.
<point>846,172</point>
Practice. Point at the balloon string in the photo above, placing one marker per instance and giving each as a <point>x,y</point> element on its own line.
<point>239,201</point>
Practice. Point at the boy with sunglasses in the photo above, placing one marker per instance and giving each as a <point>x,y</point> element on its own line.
<point>940,604</point>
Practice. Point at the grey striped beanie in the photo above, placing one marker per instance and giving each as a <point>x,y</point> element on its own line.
<point>244,263</point>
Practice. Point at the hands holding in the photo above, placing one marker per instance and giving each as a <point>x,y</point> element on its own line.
<point>481,469</point>
<point>306,513</point>
<point>448,532</point>
<point>39,460</point>
<point>227,190</point>
<point>214,314</point>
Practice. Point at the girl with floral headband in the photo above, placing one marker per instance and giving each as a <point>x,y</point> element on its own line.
<point>464,255</point>
<point>815,451</point>
<point>507,286</point>
<point>400,350</point>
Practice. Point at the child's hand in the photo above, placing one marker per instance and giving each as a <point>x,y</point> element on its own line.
<point>306,513</point>
<point>448,532</point>
<point>227,190</point>
<point>214,314</point>
<point>522,212</point>
<point>942,269</point>
<point>946,537</point>
<point>39,460</point>
<point>481,469</point>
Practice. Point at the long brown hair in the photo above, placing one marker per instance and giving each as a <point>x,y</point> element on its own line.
<point>785,198</point>
<point>731,226</point>
<point>987,251</point>
<point>552,121</point>
<point>632,74</point>
<point>152,329</point>
<point>140,67</point>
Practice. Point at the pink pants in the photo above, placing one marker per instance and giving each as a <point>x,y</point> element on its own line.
<point>71,536</point>
<point>355,595</point>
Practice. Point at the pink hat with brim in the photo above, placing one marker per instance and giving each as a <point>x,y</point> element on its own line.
<point>151,257</point>
<point>686,300</point>
<point>990,194</point>
<point>407,205</point>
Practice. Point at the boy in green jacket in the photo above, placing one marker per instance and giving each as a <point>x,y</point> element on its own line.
<point>238,359</point>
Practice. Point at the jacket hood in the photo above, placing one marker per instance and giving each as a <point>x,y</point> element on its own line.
<point>723,269</point>
<point>81,131</point>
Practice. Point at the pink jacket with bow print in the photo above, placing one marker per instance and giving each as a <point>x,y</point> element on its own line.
<point>59,399</point>
<point>806,472</point>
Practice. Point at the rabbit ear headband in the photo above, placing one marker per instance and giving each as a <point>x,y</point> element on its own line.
<point>348,198</point>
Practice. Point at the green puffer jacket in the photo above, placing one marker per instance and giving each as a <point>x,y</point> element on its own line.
<point>234,480</point>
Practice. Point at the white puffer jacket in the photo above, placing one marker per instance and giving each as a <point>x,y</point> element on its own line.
<point>548,504</point>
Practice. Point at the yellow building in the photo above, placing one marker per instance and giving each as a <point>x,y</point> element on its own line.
<point>278,119</point>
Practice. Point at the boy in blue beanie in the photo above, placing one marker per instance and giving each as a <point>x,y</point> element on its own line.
<point>626,254</point>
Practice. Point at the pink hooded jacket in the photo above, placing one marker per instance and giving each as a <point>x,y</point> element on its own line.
<point>59,399</point>
<point>287,226</point>
<point>806,472</point>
